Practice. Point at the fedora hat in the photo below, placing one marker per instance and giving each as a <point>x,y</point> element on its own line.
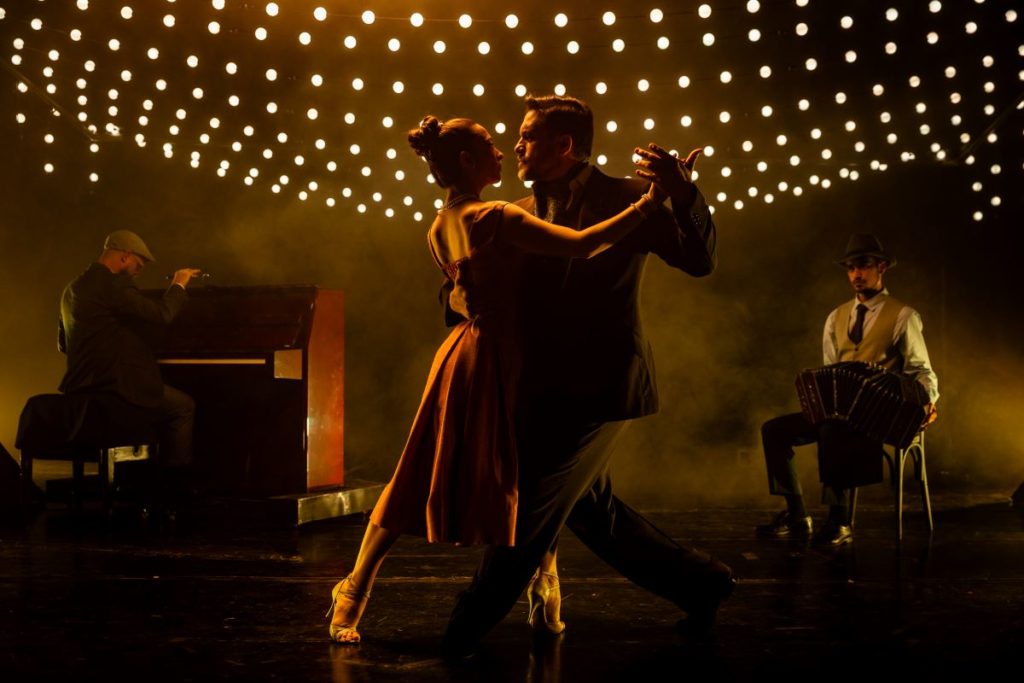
<point>864,244</point>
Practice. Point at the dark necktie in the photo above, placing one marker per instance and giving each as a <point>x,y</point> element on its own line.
<point>857,333</point>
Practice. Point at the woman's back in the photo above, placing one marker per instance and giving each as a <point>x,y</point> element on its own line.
<point>457,478</point>
<point>466,244</point>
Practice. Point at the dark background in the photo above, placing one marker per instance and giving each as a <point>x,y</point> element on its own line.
<point>727,347</point>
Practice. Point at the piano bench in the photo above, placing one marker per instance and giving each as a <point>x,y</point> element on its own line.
<point>59,427</point>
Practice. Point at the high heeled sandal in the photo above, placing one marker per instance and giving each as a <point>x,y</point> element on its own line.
<point>540,594</point>
<point>346,635</point>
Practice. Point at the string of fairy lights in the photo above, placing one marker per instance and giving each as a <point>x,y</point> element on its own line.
<point>310,102</point>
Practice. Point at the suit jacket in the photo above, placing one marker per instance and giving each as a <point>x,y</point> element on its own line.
<point>585,351</point>
<point>105,328</point>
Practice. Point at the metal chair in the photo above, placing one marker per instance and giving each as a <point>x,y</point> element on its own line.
<point>897,460</point>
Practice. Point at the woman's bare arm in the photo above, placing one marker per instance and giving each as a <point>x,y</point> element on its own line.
<point>530,233</point>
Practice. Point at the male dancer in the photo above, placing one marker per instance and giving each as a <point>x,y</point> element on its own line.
<point>588,369</point>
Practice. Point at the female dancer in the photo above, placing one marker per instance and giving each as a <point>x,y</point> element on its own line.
<point>456,478</point>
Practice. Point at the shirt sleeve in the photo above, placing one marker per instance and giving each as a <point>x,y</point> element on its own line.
<point>828,339</point>
<point>910,343</point>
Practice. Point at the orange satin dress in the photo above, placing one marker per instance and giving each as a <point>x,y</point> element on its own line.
<point>456,478</point>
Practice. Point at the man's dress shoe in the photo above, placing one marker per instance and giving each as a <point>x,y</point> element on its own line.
<point>786,525</point>
<point>833,535</point>
<point>701,613</point>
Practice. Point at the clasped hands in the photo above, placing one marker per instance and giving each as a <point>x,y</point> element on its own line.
<point>670,177</point>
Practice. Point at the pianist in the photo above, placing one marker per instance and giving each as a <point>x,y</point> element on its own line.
<point>106,328</point>
<point>872,327</point>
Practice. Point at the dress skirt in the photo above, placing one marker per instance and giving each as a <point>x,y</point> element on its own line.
<point>456,478</point>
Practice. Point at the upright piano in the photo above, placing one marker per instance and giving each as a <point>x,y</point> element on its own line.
<point>265,366</point>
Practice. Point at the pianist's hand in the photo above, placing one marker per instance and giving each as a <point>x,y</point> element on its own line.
<point>184,275</point>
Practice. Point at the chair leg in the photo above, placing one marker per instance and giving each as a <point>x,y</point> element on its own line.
<point>105,474</point>
<point>923,477</point>
<point>901,457</point>
<point>77,481</point>
<point>26,479</point>
<point>853,506</point>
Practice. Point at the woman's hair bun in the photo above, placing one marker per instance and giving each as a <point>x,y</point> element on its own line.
<point>424,139</point>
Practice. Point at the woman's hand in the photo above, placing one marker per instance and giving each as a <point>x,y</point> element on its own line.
<point>668,174</point>
<point>656,194</point>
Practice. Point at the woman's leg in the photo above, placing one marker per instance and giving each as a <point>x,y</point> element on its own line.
<point>549,563</point>
<point>377,541</point>
<point>545,596</point>
<point>351,593</point>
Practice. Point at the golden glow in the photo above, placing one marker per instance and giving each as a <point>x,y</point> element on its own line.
<point>300,92</point>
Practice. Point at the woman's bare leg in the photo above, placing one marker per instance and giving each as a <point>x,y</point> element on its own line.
<point>549,563</point>
<point>545,595</point>
<point>352,592</point>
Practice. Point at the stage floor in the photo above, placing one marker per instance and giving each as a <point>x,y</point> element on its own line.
<point>218,598</point>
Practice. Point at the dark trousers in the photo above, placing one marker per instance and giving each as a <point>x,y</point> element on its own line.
<point>564,479</point>
<point>96,419</point>
<point>780,435</point>
<point>174,418</point>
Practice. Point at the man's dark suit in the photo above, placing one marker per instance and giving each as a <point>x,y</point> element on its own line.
<point>587,368</point>
<point>105,328</point>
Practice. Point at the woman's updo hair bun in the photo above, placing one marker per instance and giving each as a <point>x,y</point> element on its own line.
<point>424,139</point>
<point>441,143</point>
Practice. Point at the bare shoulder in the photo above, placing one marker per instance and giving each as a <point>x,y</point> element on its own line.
<point>491,205</point>
<point>482,211</point>
<point>435,229</point>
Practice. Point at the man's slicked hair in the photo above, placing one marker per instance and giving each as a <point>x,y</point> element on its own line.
<point>566,116</point>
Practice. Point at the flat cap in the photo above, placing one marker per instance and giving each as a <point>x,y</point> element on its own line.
<point>126,240</point>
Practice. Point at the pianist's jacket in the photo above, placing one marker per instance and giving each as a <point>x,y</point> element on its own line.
<point>107,328</point>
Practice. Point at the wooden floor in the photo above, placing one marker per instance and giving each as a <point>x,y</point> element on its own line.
<point>215,597</point>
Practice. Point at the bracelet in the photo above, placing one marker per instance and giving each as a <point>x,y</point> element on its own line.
<point>644,213</point>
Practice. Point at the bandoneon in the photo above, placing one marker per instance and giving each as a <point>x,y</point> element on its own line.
<point>883,405</point>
